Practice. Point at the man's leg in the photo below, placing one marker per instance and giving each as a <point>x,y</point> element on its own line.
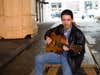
<point>66,69</point>
<point>51,58</point>
<point>45,58</point>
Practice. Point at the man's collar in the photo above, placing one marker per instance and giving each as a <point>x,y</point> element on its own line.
<point>69,30</point>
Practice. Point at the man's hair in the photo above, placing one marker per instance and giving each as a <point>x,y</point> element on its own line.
<point>67,12</point>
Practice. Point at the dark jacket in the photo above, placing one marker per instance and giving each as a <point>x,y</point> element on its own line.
<point>76,37</point>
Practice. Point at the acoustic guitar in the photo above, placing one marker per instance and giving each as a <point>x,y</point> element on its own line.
<point>58,41</point>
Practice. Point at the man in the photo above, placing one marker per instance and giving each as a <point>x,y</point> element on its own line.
<point>69,58</point>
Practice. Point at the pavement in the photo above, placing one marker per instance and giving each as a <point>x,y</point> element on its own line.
<point>92,30</point>
<point>9,49</point>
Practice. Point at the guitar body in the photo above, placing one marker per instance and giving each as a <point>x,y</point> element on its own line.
<point>56,45</point>
<point>58,41</point>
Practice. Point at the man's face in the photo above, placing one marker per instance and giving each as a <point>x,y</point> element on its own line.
<point>66,21</point>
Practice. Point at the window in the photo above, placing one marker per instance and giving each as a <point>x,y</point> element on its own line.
<point>55,6</point>
<point>88,5</point>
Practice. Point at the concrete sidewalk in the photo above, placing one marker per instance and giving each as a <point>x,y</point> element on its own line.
<point>9,49</point>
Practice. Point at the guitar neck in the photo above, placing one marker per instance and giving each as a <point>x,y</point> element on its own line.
<point>72,47</point>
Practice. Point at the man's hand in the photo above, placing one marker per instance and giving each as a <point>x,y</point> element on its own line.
<point>48,40</point>
<point>65,48</point>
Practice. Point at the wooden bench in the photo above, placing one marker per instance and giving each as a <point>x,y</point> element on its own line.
<point>54,68</point>
<point>88,65</point>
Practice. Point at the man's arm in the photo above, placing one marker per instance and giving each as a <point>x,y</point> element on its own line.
<point>80,43</point>
<point>55,29</point>
<point>48,33</point>
<point>81,40</point>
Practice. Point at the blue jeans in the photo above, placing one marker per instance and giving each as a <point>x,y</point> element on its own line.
<point>52,58</point>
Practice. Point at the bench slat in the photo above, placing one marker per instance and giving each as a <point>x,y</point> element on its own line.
<point>90,71</point>
<point>53,70</point>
